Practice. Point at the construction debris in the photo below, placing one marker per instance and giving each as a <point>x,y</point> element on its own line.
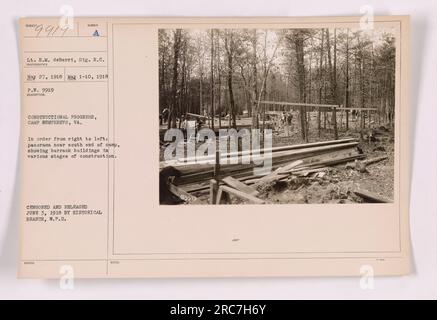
<point>313,155</point>
<point>276,175</point>
<point>241,186</point>
<point>234,192</point>
<point>362,165</point>
<point>302,173</point>
<point>183,195</point>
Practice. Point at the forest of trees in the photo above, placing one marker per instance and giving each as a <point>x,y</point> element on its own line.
<point>226,72</point>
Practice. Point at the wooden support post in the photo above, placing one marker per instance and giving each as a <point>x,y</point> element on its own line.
<point>264,121</point>
<point>368,118</point>
<point>303,122</point>
<point>319,128</point>
<point>307,124</point>
<point>218,199</point>
<point>217,165</point>
<point>342,116</point>
<point>213,183</point>
<point>334,120</point>
<point>213,187</point>
<point>347,120</point>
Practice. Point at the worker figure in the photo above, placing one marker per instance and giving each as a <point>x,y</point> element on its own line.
<point>165,114</point>
<point>283,118</point>
<point>183,122</point>
<point>283,122</point>
<point>289,118</point>
<point>199,124</point>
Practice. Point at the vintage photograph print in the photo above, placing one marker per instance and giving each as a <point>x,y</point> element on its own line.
<point>276,116</point>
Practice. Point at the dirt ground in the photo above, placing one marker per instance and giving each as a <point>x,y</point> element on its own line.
<point>337,184</point>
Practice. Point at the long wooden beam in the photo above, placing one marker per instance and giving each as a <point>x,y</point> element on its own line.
<point>236,171</point>
<point>195,115</point>
<point>297,104</point>
<point>315,105</point>
<point>251,179</point>
<point>371,196</point>
<point>184,161</point>
<point>358,109</point>
<point>200,167</point>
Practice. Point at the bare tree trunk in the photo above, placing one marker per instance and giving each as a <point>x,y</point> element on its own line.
<point>219,82</point>
<point>229,50</point>
<point>255,123</point>
<point>212,80</point>
<point>330,73</point>
<point>201,93</point>
<point>298,38</point>
<point>347,102</point>
<point>183,96</point>
<point>361,91</point>
<point>264,87</point>
<point>220,99</point>
<point>319,112</point>
<point>173,107</point>
<point>334,71</point>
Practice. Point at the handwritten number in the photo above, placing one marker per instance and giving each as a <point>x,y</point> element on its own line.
<point>50,30</point>
<point>38,29</point>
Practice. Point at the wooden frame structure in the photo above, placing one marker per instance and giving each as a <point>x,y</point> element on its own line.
<point>304,107</point>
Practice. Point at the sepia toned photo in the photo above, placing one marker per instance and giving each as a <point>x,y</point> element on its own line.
<point>276,116</point>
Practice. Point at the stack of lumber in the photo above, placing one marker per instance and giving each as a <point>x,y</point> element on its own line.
<point>194,174</point>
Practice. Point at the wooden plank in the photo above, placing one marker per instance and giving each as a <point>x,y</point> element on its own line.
<point>185,196</point>
<point>186,161</point>
<point>357,109</point>
<point>374,160</point>
<point>278,174</point>
<point>362,165</point>
<point>219,196</point>
<point>371,196</point>
<point>189,174</point>
<point>321,160</point>
<point>315,105</point>
<point>305,173</point>
<point>297,104</point>
<point>288,167</point>
<point>241,195</point>
<point>249,178</point>
<point>197,167</point>
<point>237,184</point>
<point>194,115</point>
